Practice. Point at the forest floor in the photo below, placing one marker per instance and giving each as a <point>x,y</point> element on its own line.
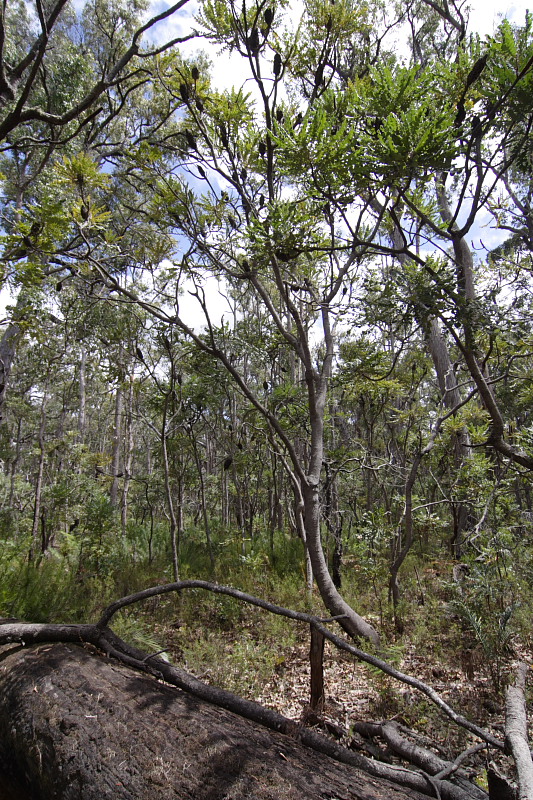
<point>356,693</point>
<point>265,658</point>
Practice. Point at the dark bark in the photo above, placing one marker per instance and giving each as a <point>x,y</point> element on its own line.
<point>85,728</point>
<point>316,662</point>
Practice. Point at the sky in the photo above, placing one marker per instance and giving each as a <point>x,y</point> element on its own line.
<point>486,14</point>
<point>484,17</point>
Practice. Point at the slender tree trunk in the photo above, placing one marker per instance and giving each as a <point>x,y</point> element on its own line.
<point>179,516</point>
<point>316,663</point>
<point>38,483</point>
<point>275,512</point>
<point>205,515</point>
<point>82,421</point>
<point>14,464</point>
<point>117,443</point>
<point>240,513</point>
<point>300,525</point>
<point>128,460</point>
<point>333,521</point>
<point>403,542</point>
<point>168,493</point>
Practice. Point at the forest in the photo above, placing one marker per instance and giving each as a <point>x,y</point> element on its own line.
<point>267,336</point>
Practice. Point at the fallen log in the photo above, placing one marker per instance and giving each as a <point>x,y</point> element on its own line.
<point>516,732</point>
<point>432,764</point>
<point>77,726</point>
<point>444,784</point>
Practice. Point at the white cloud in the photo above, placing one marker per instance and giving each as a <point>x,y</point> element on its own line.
<point>486,15</point>
<point>218,307</point>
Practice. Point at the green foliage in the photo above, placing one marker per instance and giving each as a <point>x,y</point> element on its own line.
<point>46,592</point>
<point>137,633</point>
<point>324,194</point>
<point>486,602</point>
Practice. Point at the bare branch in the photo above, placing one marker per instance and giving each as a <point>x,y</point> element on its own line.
<point>374,661</point>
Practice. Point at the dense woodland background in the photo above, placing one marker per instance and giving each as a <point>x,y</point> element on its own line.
<point>361,413</point>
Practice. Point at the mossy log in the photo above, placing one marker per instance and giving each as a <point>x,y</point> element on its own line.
<point>77,726</point>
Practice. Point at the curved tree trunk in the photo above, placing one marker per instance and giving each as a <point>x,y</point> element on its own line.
<point>82,727</point>
<point>349,620</point>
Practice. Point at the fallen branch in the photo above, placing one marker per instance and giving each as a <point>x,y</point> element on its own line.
<point>454,765</point>
<point>106,641</point>
<point>374,661</point>
<point>516,732</point>
<point>432,764</point>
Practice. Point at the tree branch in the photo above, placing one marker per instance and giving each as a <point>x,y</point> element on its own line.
<point>374,661</point>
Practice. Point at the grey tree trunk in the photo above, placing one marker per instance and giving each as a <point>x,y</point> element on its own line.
<point>516,735</point>
<point>352,622</point>
<point>8,346</point>
<point>117,444</point>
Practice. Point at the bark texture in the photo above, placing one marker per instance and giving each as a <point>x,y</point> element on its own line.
<point>81,727</point>
<point>516,732</point>
<point>8,346</point>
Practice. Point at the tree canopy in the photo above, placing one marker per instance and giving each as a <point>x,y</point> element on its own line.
<point>359,190</point>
